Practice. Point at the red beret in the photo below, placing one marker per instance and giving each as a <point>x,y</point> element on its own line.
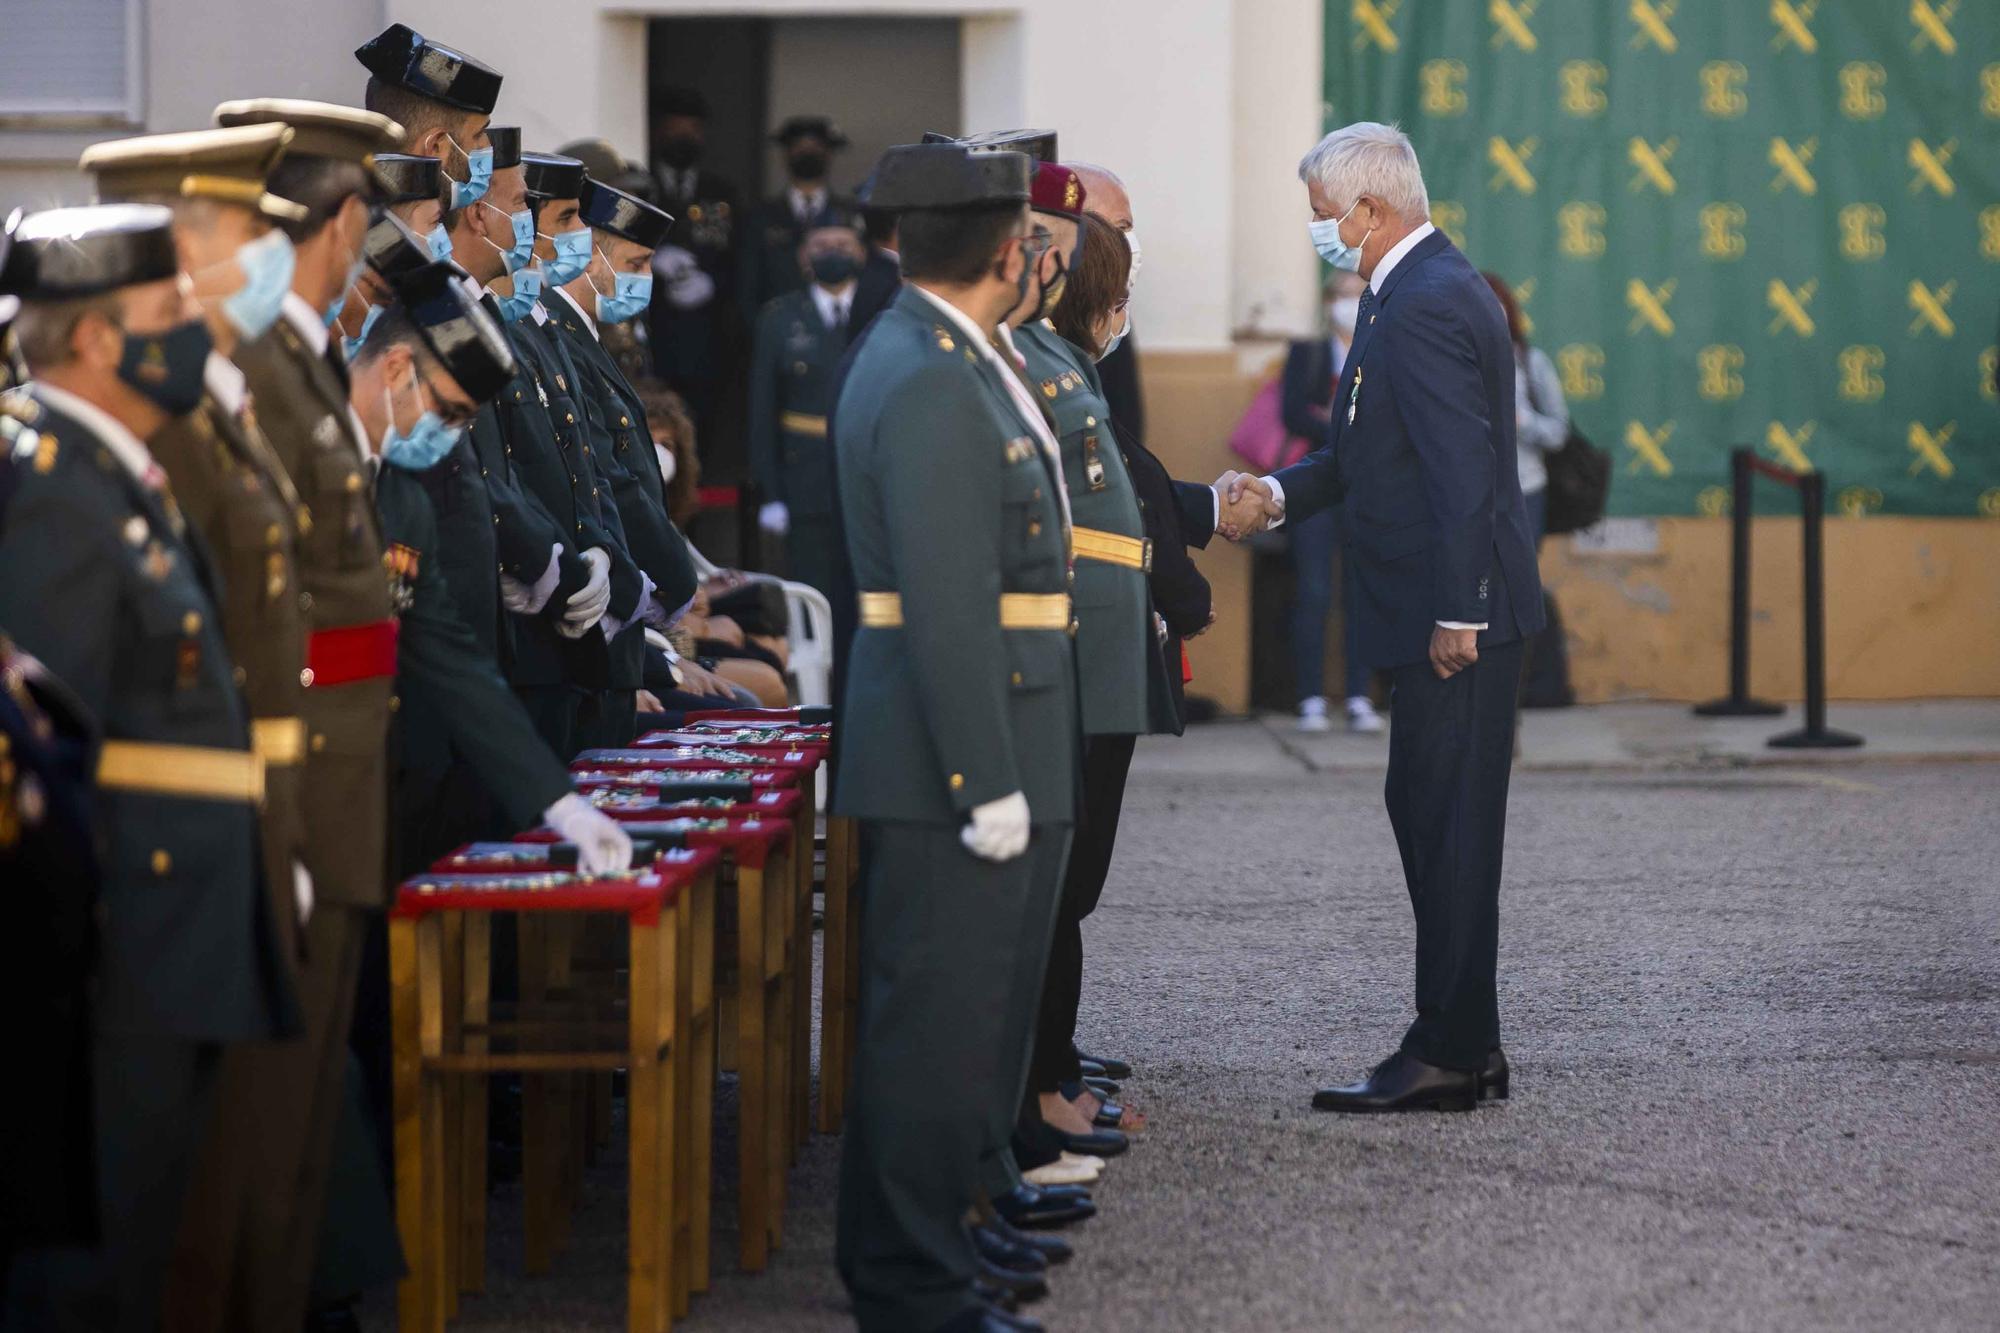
<point>1057,189</point>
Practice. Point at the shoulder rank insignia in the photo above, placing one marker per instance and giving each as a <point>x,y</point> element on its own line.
<point>944,342</point>
<point>44,447</point>
<point>327,433</point>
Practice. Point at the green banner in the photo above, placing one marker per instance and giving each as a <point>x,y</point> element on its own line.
<point>1730,222</point>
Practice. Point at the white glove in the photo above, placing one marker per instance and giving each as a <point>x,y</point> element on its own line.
<point>601,846</point>
<point>688,286</point>
<point>528,598</point>
<point>587,605</point>
<point>302,891</point>
<point>774,518</point>
<point>999,829</point>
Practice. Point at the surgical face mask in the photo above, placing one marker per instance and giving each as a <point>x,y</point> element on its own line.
<point>522,252</point>
<point>680,154</point>
<point>427,441</point>
<point>1052,293</point>
<point>1132,241</point>
<point>353,276</point>
<point>351,346</point>
<point>478,176</point>
<point>527,289</point>
<point>439,241</point>
<point>1326,240</point>
<point>1342,312</point>
<point>571,259</point>
<point>267,264</point>
<point>630,294</point>
<point>833,269</point>
<point>808,164</point>
<point>166,368</point>
<point>1118,337</point>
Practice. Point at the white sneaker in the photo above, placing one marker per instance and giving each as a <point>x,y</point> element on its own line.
<point>1312,716</point>
<point>1362,719</point>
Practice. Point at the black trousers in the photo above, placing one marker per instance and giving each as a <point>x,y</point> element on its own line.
<point>1106,762</point>
<point>951,956</point>
<point>1451,751</point>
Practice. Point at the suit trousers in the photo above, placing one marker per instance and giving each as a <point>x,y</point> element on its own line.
<point>1451,752</point>
<point>553,710</point>
<point>1106,762</point>
<point>949,945</point>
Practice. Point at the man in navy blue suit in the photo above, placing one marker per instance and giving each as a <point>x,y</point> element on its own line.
<point>1421,457</point>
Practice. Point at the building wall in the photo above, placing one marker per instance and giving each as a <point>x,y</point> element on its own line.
<point>837,67</point>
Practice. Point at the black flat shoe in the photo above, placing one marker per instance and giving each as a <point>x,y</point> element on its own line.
<point>1404,1083</point>
<point>1097,1143</point>
<point>1052,1248</point>
<point>1493,1078</point>
<point>1106,1067</point>
<point>1103,1087</point>
<point>996,1298</point>
<point>997,1250</point>
<point>1031,1208</point>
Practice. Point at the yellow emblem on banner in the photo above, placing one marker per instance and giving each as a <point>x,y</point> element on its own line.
<point>1448,217</point>
<point>1371,23</point>
<point>1649,447</point>
<point>1524,293</point>
<point>1860,372</point>
<point>1861,236</point>
<point>1510,23</point>
<point>1929,447</point>
<point>1929,163</point>
<point>1582,83</point>
<point>1989,91</point>
<point>1718,366</point>
<point>1443,84</point>
<point>1581,366</point>
<point>1858,501</point>
<point>1790,445</point>
<point>1989,503</point>
<point>1649,306</point>
<point>1989,231</point>
<point>1789,306</point>
<point>1652,25</point>
<point>1793,22</point>
<point>1793,164</point>
<point>1722,94</point>
<point>1861,96</point>
<point>1580,229</point>
<point>1651,159</point>
<point>1712,502</point>
<point>1511,163</point>
<point>1989,366</point>
<point>1722,230</point>
<point>1932,305</point>
<point>1932,22</point>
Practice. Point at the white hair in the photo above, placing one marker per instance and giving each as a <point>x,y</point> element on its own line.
<point>1372,159</point>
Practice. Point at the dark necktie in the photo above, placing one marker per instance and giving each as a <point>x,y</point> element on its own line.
<point>1367,304</point>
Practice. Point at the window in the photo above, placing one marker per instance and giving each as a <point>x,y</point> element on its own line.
<point>70,63</point>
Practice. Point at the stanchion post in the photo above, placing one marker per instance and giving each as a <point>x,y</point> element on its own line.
<point>1815,735</point>
<point>1739,703</point>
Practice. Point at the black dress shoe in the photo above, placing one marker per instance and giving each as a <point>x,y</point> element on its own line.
<point>1023,1287</point>
<point>1097,1143</point>
<point>1100,1085</point>
<point>1493,1078</point>
<point>1106,1066</point>
<point>1109,1113</point>
<point>1404,1083</point>
<point>997,1250</point>
<point>1052,1248</point>
<point>1031,1208</point>
<point>996,1298</point>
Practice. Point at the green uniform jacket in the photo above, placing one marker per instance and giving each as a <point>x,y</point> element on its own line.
<point>233,491</point>
<point>104,584</point>
<point>949,502</point>
<point>791,394</point>
<point>443,678</point>
<point>1115,643</point>
<point>302,405</point>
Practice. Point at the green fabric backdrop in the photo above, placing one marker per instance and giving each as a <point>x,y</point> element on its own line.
<point>1731,223</point>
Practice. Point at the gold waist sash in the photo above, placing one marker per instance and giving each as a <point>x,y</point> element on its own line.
<point>1018,610</point>
<point>1112,549</point>
<point>200,771</point>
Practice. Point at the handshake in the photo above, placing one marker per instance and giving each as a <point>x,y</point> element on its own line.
<point>1244,505</point>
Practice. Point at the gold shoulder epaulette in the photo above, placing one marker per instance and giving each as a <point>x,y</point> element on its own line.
<point>944,342</point>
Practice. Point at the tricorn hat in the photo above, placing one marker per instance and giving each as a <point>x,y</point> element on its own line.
<point>62,253</point>
<point>948,176</point>
<point>403,57</point>
<point>456,329</point>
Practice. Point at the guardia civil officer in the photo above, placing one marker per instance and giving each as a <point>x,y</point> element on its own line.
<point>442,99</point>
<point>231,1269</point>
<point>697,336</point>
<point>105,583</point>
<point>963,681</point>
<point>800,338</point>
<point>409,195</point>
<point>775,228</point>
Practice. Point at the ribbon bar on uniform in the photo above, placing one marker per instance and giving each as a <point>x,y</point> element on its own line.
<point>1112,549</point>
<point>350,653</point>
<point>200,771</point>
<point>803,423</point>
<point>1018,610</point>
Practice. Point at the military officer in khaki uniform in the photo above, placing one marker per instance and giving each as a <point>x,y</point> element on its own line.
<point>106,584</point>
<point>298,383</point>
<point>236,494</point>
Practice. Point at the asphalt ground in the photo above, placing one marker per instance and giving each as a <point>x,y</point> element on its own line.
<point>1754,1018</point>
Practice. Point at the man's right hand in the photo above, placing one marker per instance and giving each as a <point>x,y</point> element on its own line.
<point>1244,505</point>
<point>587,605</point>
<point>774,518</point>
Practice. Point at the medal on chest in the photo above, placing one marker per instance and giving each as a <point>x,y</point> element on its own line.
<point>401,562</point>
<point>1354,396</point>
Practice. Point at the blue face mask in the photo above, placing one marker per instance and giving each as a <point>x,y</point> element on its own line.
<point>1326,240</point>
<point>631,293</point>
<point>572,257</point>
<point>439,241</point>
<point>522,252</point>
<point>267,264</point>
<point>427,442</point>
<point>478,173</point>
<point>332,316</point>
<point>527,288</point>
<point>349,346</point>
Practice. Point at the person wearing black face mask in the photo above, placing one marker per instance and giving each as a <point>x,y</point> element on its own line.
<point>107,586</point>
<point>777,227</point>
<point>697,339</point>
<point>800,338</point>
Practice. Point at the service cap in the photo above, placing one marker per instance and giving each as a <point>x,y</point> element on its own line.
<point>321,129</point>
<point>227,165</point>
<point>948,176</point>
<point>392,249</point>
<point>456,329</point>
<point>552,176</point>
<point>1037,144</point>
<point>404,58</point>
<point>809,127</point>
<point>60,254</point>
<point>610,209</point>
<point>506,141</point>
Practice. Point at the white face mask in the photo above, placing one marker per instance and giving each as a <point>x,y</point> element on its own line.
<point>1343,312</point>
<point>668,464</point>
<point>1132,240</point>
